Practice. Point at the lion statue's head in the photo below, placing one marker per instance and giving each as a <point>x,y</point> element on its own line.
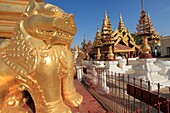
<point>48,23</point>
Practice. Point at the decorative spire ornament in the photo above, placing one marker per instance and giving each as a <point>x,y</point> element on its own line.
<point>142,5</point>
<point>106,28</point>
<point>105,14</point>
<point>98,54</point>
<point>145,48</point>
<point>121,24</point>
<point>110,54</point>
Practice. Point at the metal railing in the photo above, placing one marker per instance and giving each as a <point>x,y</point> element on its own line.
<point>131,95</point>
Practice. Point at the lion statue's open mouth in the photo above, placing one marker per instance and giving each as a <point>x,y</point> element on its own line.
<point>51,24</point>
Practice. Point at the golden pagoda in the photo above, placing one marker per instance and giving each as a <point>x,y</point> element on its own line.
<point>98,41</point>
<point>106,29</point>
<point>145,27</point>
<point>110,54</point>
<point>119,40</point>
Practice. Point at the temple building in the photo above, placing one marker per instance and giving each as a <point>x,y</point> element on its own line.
<point>145,26</point>
<point>120,41</point>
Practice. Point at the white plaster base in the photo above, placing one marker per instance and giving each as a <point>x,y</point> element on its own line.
<point>79,73</point>
<point>113,68</point>
<point>102,86</point>
<point>148,71</point>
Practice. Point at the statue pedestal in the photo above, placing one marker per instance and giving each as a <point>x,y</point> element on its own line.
<point>89,104</point>
<point>148,71</point>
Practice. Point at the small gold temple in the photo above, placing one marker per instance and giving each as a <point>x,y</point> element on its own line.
<point>120,41</point>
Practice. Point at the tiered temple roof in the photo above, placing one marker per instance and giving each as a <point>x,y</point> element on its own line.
<point>10,13</point>
<point>145,27</point>
<point>122,36</point>
<point>98,39</point>
<point>120,39</point>
<point>106,29</point>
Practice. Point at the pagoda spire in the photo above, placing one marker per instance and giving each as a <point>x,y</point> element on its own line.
<point>120,17</point>
<point>106,28</point>
<point>97,40</point>
<point>121,24</point>
<point>98,29</point>
<point>105,14</point>
<point>154,34</point>
<point>144,24</point>
<point>147,33</point>
<point>98,33</point>
<point>142,2</point>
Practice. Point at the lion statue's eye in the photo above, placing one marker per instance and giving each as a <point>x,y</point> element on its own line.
<point>66,21</point>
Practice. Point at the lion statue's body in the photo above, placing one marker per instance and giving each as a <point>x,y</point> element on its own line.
<point>38,60</point>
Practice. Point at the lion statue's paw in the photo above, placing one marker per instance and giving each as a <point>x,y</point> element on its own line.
<point>73,99</point>
<point>61,108</point>
<point>64,109</point>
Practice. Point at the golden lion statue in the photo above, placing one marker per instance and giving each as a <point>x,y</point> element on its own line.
<point>38,65</point>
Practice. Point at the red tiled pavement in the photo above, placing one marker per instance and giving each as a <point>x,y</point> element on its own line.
<point>89,104</point>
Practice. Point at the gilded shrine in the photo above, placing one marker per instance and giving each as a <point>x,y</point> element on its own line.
<point>37,69</point>
<point>118,42</point>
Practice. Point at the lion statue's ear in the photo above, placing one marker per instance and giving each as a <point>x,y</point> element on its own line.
<point>32,5</point>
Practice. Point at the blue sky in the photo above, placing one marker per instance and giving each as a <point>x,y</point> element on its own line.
<point>90,13</point>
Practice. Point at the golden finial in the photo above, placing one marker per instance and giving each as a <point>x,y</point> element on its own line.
<point>121,17</point>
<point>145,48</point>
<point>121,24</point>
<point>110,54</point>
<point>105,14</point>
<point>98,34</point>
<point>98,54</point>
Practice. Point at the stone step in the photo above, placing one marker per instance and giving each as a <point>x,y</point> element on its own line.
<point>166,83</point>
<point>159,79</point>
